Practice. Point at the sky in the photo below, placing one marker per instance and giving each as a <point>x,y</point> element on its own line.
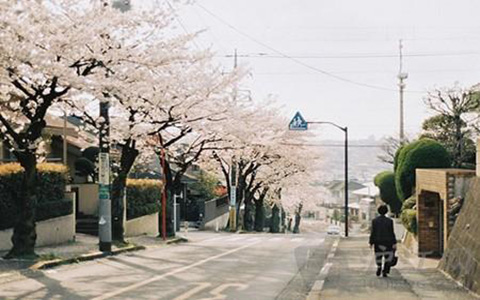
<point>338,60</point>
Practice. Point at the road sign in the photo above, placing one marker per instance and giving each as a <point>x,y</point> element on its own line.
<point>233,196</point>
<point>298,123</point>
<point>104,168</point>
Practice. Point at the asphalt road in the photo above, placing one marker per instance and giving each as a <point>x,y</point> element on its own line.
<point>210,266</point>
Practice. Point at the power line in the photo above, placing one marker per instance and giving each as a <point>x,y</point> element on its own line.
<point>181,23</point>
<point>313,68</point>
<point>349,56</point>
<point>332,145</point>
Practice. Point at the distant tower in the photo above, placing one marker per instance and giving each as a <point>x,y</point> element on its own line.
<point>401,84</point>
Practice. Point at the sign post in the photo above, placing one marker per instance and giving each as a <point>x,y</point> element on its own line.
<point>233,198</point>
<point>105,203</point>
<point>298,123</point>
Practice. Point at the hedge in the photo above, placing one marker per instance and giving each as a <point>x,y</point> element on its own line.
<point>409,220</point>
<point>424,153</point>
<point>50,202</point>
<point>143,197</point>
<point>385,181</point>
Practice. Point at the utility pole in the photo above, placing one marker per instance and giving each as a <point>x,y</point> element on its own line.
<point>233,196</point>
<point>104,209</point>
<point>402,76</point>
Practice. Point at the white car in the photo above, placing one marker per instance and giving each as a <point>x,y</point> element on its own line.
<point>333,229</point>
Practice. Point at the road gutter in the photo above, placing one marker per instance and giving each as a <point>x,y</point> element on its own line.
<point>317,287</point>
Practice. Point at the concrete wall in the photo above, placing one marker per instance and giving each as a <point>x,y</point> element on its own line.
<point>87,198</point>
<point>462,256</point>
<point>50,232</point>
<point>216,214</point>
<point>218,223</point>
<point>142,225</point>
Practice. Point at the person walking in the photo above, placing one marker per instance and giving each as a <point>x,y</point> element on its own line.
<point>383,240</point>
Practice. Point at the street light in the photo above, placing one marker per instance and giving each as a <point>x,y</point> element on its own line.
<point>345,130</point>
<point>299,123</point>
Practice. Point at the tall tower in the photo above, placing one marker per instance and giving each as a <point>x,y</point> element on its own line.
<point>402,76</point>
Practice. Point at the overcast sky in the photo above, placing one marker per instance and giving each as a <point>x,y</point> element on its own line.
<point>352,39</point>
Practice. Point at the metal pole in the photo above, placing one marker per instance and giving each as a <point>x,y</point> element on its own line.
<point>233,197</point>
<point>65,145</point>
<point>164,198</point>
<point>104,209</point>
<point>175,213</point>
<point>346,181</point>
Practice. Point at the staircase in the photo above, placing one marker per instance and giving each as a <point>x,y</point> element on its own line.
<point>87,224</point>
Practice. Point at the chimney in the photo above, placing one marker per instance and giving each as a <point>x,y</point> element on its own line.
<point>478,157</point>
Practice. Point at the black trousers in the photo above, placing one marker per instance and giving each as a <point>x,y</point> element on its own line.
<point>383,256</point>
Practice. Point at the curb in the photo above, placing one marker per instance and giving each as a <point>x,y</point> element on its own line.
<point>42,265</point>
<point>176,240</point>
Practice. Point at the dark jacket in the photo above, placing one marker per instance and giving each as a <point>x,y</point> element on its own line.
<point>382,232</point>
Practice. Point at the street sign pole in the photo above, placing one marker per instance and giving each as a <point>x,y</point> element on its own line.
<point>104,209</point>
<point>233,198</point>
<point>299,123</point>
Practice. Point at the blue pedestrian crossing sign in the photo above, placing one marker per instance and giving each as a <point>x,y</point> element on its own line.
<point>298,123</point>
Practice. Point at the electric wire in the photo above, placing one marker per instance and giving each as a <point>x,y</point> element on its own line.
<point>296,60</point>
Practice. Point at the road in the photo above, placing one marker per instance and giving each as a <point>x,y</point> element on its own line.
<point>210,266</point>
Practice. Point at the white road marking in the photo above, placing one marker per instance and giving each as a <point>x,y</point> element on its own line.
<point>325,269</point>
<point>176,271</point>
<point>297,240</point>
<point>318,285</point>
<point>217,292</point>
<point>316,290</point>
<point>277,239</point>
<point>188,295</point>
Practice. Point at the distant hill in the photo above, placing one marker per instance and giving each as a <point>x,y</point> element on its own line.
<point>363,160</point>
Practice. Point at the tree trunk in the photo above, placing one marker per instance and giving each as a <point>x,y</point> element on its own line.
<point>259,215</point>
<point>24,233</point>
<point>129,154</point>
<point>248,214</point>
<point>171,188</point>
<point>275,222</point>
<point>298,217</point>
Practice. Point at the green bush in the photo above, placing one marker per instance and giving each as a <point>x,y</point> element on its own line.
<point>424,153</point>
<point>385,181</point>
<point>409,220</point>
<point>51,180</point>
<point>409,203</point>
<point>143,197</point>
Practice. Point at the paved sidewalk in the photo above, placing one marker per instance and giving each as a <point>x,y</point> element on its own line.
<point>352,276</point>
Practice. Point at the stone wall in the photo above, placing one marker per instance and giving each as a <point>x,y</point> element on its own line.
<point>462,256</point>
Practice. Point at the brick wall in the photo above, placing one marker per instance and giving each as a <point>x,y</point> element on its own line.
<point>429,227</point>
<point>462,256</point>
<point>433,218</point>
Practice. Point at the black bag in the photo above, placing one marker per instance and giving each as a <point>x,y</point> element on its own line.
<point>394,261</point>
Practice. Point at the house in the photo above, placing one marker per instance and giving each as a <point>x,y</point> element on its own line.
<point>367,199</point>
<point>337,191</point>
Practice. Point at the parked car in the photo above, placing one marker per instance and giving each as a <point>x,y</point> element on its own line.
<point>333,229</point>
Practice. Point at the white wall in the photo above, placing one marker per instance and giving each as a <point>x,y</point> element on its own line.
<point>50,232</point>
<point>142,225</point>
<point>218,223</point>
<point>87,198</point>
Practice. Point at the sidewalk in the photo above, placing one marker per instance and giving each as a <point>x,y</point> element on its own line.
<point>85,247</point>
<point>351,275</point>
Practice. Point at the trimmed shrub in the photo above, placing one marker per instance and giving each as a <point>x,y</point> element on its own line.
<point>409,203</point>
<point>385,181</point>
<point>424,153</point>
<point>409,220</point>
<point>143,197</point>
<point>51,180</point>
